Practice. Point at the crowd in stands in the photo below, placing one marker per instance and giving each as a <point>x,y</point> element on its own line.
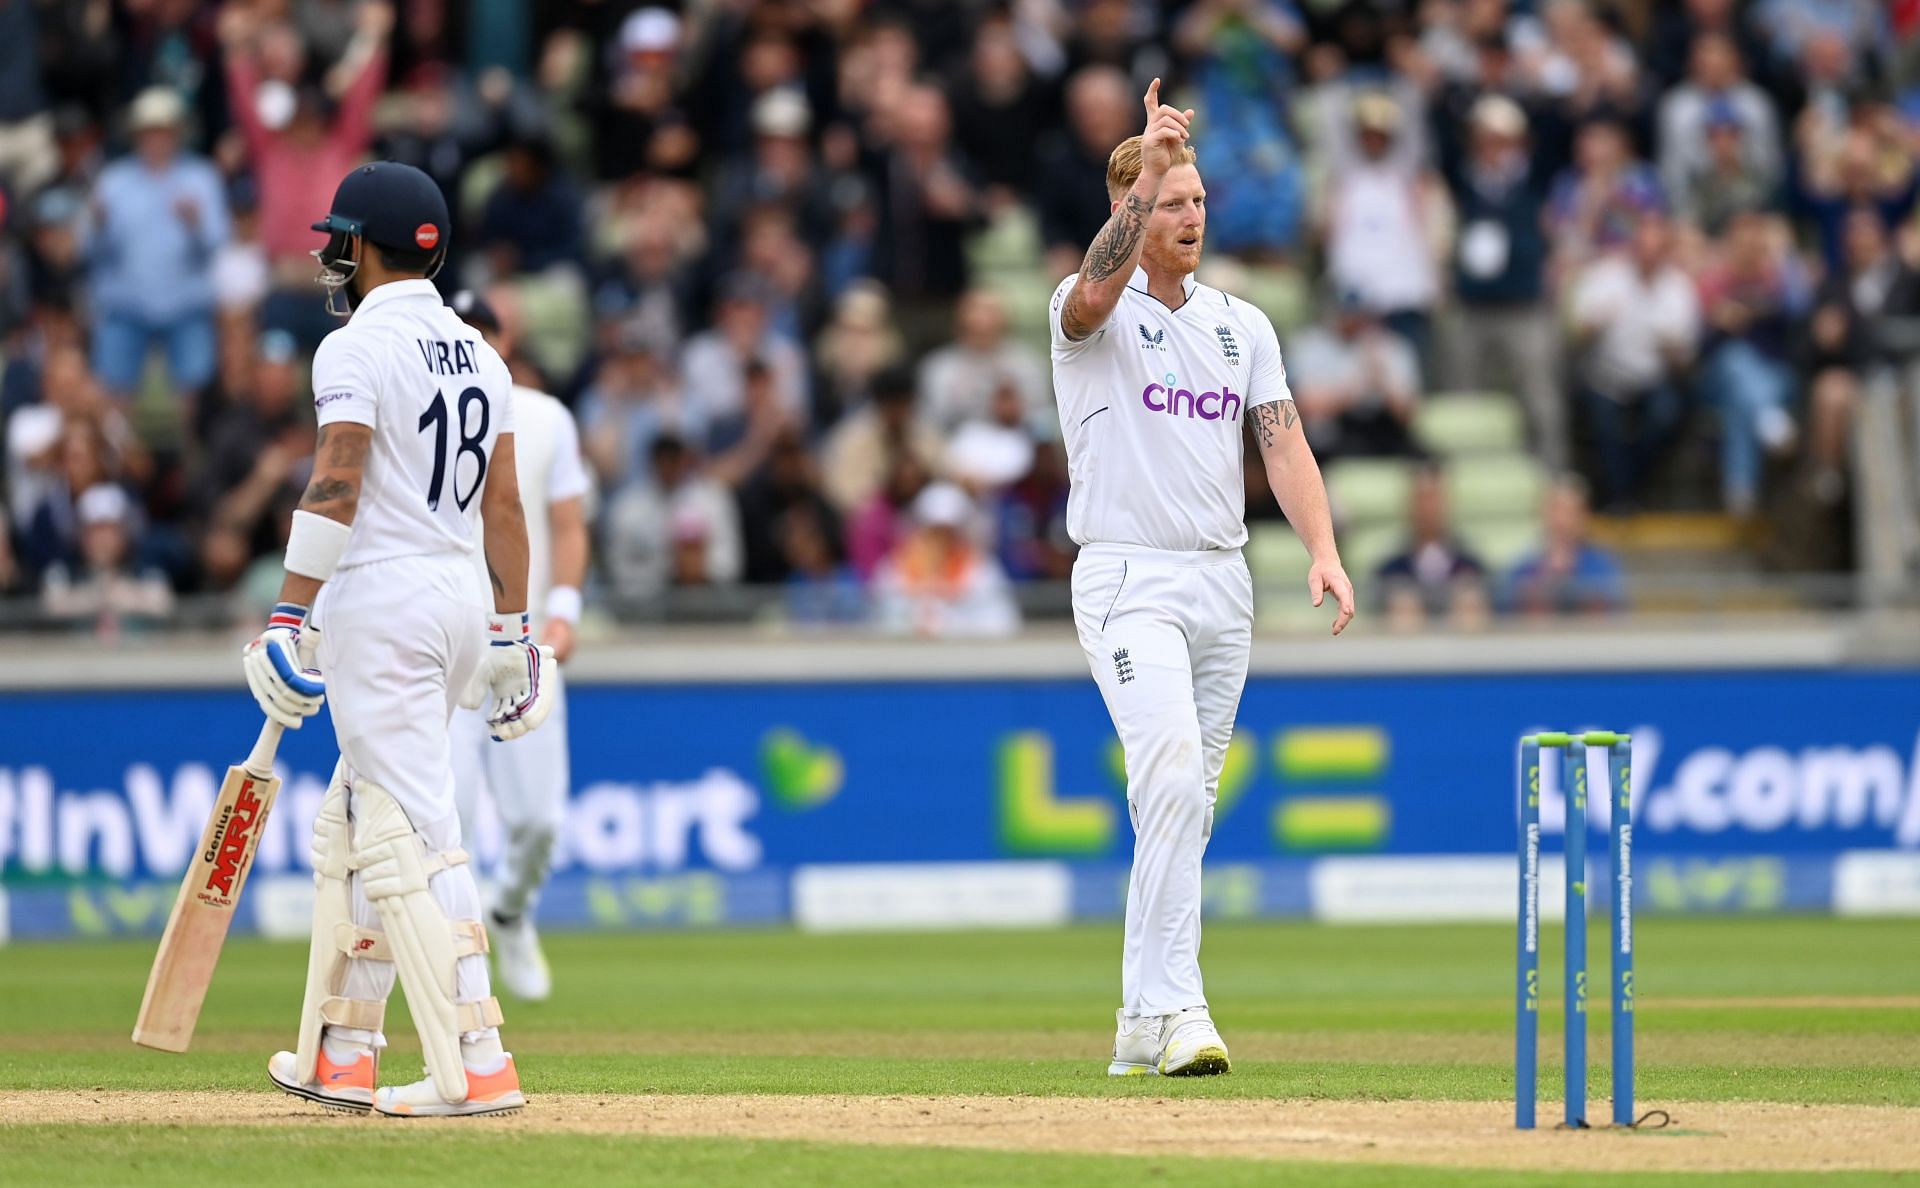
<point>787,261</point>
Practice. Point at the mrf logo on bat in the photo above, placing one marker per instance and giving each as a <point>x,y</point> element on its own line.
<point>228,855</point>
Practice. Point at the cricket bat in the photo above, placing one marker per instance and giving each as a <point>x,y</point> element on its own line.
<point>190,947</point>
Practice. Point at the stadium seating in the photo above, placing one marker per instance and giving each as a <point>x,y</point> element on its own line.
<point>1462,423</point>
<point>1369,491</point>
<point>1495,487</point>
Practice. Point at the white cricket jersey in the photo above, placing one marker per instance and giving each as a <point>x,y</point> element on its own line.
<point>546,458</point>
<point>1151,407</point>
<point>437,398</point>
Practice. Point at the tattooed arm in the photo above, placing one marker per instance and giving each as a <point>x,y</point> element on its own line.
<point>1110,262</point>
<point>339,464</point>
<point>506,531</point>
<point>1295,478</point>
<point>1116,249</point>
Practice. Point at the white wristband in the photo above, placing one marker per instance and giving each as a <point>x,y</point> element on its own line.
<point>564,603</point>
<point>315,544</point>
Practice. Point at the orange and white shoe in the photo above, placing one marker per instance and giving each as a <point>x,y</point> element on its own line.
<point>344,1087</point>
<point>496,1092</point>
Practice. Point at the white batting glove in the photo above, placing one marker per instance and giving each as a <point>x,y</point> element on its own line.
<point>518,674</point>
<point>287,688</point>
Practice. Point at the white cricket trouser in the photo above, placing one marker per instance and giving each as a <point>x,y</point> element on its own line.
<point>1167,635</point>
<point>399,640</point>
<point>526,782</point>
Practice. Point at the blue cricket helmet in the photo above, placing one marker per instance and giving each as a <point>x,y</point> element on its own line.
<point>393,207</point>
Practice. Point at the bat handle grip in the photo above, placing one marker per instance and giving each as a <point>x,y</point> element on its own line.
<point>259,761</point>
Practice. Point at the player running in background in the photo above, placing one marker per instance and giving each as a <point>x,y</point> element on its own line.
<point>416,438</point>
<point>528,780</point>
<point>1154,375</point>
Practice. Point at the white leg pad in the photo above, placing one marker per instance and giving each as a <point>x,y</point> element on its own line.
<point>336,941</point>
<point>426,945</point>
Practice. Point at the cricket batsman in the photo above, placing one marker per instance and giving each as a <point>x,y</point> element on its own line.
<point>528,779</point>
<point>416,423</point>
<point>1155,375</point>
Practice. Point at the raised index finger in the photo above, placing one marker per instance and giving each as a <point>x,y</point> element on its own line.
<point>1153,96</point>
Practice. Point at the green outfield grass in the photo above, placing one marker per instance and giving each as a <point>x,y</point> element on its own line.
<point>1789,1010</point>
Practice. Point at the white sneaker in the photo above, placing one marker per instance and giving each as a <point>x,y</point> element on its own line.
<point>497,1092</point>
<point>1136,1045</point>
<point>517,956</point>
<point>1194,1047</point>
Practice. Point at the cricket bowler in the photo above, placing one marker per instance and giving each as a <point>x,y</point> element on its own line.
<point>416,423</point>
<point>527,780</point>
<point>1155,375</point>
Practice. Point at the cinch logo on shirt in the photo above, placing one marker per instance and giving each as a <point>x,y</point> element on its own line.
<point>1176,401</point>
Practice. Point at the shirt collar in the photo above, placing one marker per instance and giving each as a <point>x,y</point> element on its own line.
<point>1139,282</point>
<point>395,290</point>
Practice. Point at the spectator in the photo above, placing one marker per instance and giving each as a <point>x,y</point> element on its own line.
<point>1436,579</point>
<point>104,589</point>
<point>629,404</point>
<point>1500,262</point>
<point>856,346</point>
<point>740,449</point>
<point>958,380</point>
<point>1241,52</point>
<point>1869,166</point>
<point>1101,112</point>
<point>1115,33</point>
<point>679,529</point>
<point>1382,215</point>
<point>771,249</point>
<point>241,273</point>
<point>649,285</point>
<point>256,464</point>
<point>1856,29</point>
<point>788,484</point>
<point>1636,324</point>
<point>927,205</point>
<point>1030,521</point>
<point>1000,95</point>
<point>531,221</point>
<point>54,265</point>
<point>1595,204</point>
<point>987,454</point>
<point>437,129</point>
<point>1357,384</point>
<point>1570,575</point>
<point>780,172</point>
<point>1876,282</point>
<point>52,328</point>
<point>636,114</point>
<point>158,217</point>
<point>859,454</point>
<point>713,368</point>
<point>1587,70</point>
<point>821,589</point>
<point>300,139</point>
<point>1676,28</point>
<point>937,583</point>
<point>883,521</point>
<point>1718,98</point>
<point>27,154</point>
<point>1723,180</point>
<point>1753,299</point>
<point>68,441</point>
